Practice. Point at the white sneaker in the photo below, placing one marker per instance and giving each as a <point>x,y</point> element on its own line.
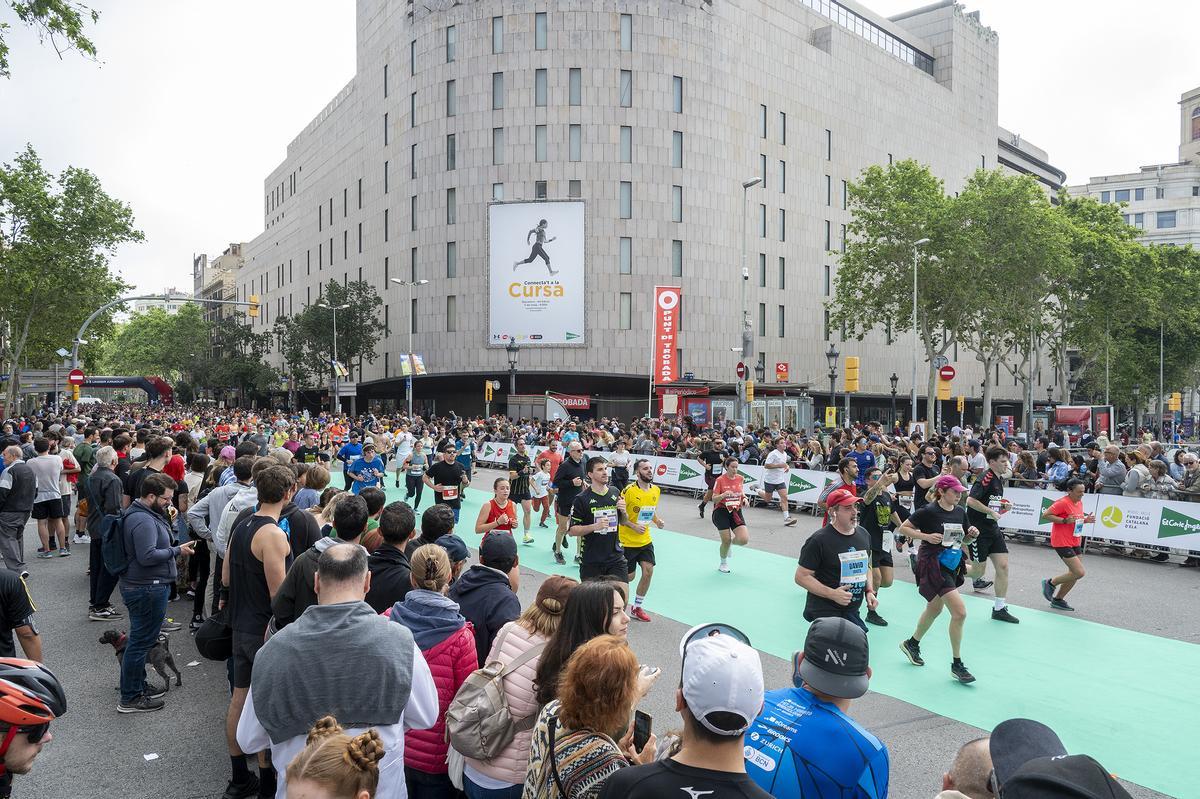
<point>723,568</point>
<point>82,538</point>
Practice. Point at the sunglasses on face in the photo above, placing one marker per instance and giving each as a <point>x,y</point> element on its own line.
<point>36,733</point>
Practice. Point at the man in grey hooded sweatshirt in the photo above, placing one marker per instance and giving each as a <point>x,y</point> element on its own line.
<point>300,675</point>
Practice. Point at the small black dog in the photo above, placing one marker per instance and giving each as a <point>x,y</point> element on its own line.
<point>158,658</point>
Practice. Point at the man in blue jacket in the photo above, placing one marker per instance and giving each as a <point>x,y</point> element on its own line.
<point>486,592</point>
<point>146,584</point>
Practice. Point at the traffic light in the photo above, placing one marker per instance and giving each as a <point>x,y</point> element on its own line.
<point>1176,402</point>
<point>487,390</point>
<point>75,393</point>
<point>962,403</point>
<point>851,373</point>
<point>253,306</point>
<point>943,389</point>
<point>749,391</point>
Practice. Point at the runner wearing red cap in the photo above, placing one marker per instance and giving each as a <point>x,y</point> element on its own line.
<point>940,568</point>
<point>835,564</point>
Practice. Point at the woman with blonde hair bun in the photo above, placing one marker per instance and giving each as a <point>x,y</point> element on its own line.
<point>503,776</point>
<point>335,766</point>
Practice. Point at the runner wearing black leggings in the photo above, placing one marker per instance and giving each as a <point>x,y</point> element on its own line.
<point>414,470</point>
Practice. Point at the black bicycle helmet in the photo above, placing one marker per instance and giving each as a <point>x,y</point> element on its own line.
<point>30,694</point>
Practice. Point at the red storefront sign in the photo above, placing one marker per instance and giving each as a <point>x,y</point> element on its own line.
<point>573,401</point>
<point>666,326</point>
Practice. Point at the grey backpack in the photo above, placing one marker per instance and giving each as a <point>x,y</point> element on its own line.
<point>478,724</point>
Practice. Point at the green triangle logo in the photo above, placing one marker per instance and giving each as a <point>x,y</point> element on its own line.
<point>1174,523</point>
<point>1046,503</point>
<point>572,336</point>
<point>746,477</point>
<point>686,472</point>
<point>488,451</point>
<point>798,483</point>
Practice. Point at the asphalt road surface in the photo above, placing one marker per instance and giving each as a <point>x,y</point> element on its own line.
<point>179,753</point>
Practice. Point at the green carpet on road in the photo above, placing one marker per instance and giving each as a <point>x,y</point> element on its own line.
<point>1126,698</point>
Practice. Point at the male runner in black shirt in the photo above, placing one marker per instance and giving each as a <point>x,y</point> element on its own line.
<point>568,483</point>
<point>711,460</point>
<point>835,563</point>
<point>520,467</point>
<point>447,478</point>
<point>925,474</point>
<point>984,505</point>
<point>595,516</point>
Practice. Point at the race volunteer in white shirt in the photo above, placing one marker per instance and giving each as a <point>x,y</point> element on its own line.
<point>775,478</point>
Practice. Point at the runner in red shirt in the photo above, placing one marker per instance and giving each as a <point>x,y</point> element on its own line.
<point>728,496</point>
<point>1066,519</point>
<point>499,513</point>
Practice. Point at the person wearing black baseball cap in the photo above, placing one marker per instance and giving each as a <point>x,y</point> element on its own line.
<point>804,743</point>
<point>1030,762</point>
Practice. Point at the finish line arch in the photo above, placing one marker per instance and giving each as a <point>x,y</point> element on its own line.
<point>157,390</point>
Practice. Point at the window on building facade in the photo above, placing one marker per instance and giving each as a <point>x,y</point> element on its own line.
<point>385,81</point>
<point>497,90</point>
<point>360,194</point>
<point>575,86</point>
<point>412,264</point>
<point>762,171</point>
<point>1196,124</point>
<point>497,34</point>
<point>412,57</point>
<point>626,311</point>
<point>385,177</point>
<point>845,195</point>
<point>626,200</point>
<point>539,88</point>
<point>412,212</point>
<point>782,320</point>
<point>762,122</point>
<point>677,149</point>
<point>782,224</point>
<point>497,146</point>
<point>451,259</point>
<point>412,315</point>
<point>1122,195</point>
<point>762,270</point>
<point>385,128</point>
<point>412,161</point>
<point>782,128</point>
<point>575,142</point>
<point>677,94</point>
<point>539,143</point>
<point>825,331</point>
<point>451,314</point>
<point>762,319</point>
<point>360,238</point>
<point>1139,221</point>
<point>828,190</point>
<point>1159,192</point>
<point>497,191</point>
<point>539,30</point>
<point>412,110</point>
<point>676,258</point>
<point>627,32</point>
<point>828,236</point>
<point>626,88</point>
<point>829,145</point>
<point>574,188</point>
<point>451,153</point>
<point>539,189</point>
<point>783,177</point>
<point>626,144</point>
<point>451,42</point>
<point>625,255</point>
<point>1139,194</point>
<point>762,221</point>
<point>782,272</point>
<point>451,206</point>
<point>1166,219</point>
<point>387,231</point>
<point>451,99</point>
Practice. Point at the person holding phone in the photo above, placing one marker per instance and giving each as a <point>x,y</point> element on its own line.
<point>940,569</point>
<point>1067,518</point>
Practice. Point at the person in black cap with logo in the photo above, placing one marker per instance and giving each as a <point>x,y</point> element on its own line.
<point>1030,762</point>
<point>486,592</point>
<point>804,742</point>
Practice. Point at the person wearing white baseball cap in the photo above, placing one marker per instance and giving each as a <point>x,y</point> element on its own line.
<point>719,696</point>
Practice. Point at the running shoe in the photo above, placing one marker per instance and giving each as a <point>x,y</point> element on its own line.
<point>558,558</point>
<point>639,614</point>
<point>528,539</point>
<point>876,619</point>
<point>578,559</point>
<point>169,626</point>
<point>64,552</point>
<point>542,524</point>
<point>82,539</point>
<point>981,584</point>
<point>196,622</point>
<point>912,651</point>
<point>43,554</point>
<point>100,614</point>
<point>701,506</point>
<point>1003,615</point>
<point>723,568</point>
<point>151,692</point>
<point>790,521</point>
<point>961,674</point>
<point>142,704</point>
<point>1048,591</point>
<point>1060,604</point>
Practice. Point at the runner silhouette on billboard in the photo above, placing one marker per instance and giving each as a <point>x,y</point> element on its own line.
<point>537,251</point>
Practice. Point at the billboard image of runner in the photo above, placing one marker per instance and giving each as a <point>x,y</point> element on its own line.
<point>535,273</point>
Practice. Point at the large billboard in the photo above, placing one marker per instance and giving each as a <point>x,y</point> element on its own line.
<point>536,273</point>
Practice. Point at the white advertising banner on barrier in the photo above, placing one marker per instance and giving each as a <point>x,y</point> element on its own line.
<point>535,273</point>
<point>1166,523</point>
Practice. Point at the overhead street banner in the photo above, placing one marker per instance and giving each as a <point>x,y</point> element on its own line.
<point>536,276</point>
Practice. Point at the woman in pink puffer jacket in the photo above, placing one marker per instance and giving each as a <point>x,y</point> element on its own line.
<point>503,777</point>
<point>447,641</point>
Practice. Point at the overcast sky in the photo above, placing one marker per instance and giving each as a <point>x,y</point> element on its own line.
<point>193,103</point>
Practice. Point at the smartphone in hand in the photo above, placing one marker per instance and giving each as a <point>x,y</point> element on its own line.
<point>642,723</point>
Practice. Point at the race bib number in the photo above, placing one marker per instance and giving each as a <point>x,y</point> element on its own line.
<point>952,535</point>
<point>415,470</point>
<point>646,514</point>
<point>906,501</point>
<point>853,571</point>
<point>1079,528</point>
<point>450,492</point>
<point>607,519</point>
<point>889,540</point>
<point>994,505</point>
<point>733,503</point>
<point>718,469</point>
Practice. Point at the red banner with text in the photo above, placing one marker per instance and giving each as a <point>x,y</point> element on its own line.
<point>666,326</point>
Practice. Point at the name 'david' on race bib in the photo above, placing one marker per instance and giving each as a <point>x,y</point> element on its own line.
<point>854,571</point>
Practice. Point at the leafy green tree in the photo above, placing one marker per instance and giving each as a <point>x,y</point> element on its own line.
<point>239,363</point>
<point>155,342</point>
<point>56,237</point>
<point>61,22</point>
<point>305,340</point>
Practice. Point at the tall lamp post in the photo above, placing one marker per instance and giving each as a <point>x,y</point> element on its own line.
<point>916,332</point>
<point>894,379</point>
<point>514,352</point>
<point>335,400</point>
<point>1072,385</point>
<point>1137,407</point>
<point>747,342</point>
<point>831,355</point>
<point>408,387</point>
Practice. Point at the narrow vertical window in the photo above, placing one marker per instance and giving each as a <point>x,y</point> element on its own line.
<point>676,258</point>
<point>677,149</point>
<point>782,320</point>
<point>497,90</point>
<point>782,128</point>
<point>626,200</point>
<point>412,110</point>
<point>677,203</point>
<point>762,270</point>
<point>539,189</point>
<point>576,142</point>
<point>412,161</point>
<point>451,206</point>
<point>451,42</point>
<point>845,196</point>
<point>626,311</point>
<point>412,264</point>
<point>451,259</point>
<point>626,144</point>
<point>412,57</point>
<point>360,238</point>
<point>626,88</point>
<point>828,191</point>
<point>762,171</point>
<point>497,34</point>
<point>782,272</point>
<point>783,177</point>
<point>412,315</point>
<point>627,32</point>
<point>762,221</point>
<point>782,224</point>
<point>360,194</point>
<point>385,176</point>
<point>451,314</point>
<point>385,129</point>
<point>451,99</point>
<point>412,212</point>
<point>539,143</point>
<point>386,227</point>
<point>762,122</point>
<point>626,256</point>
<point>497,146</point>
<point>539,31</point>
<point>385,81</point>
<point>497,191</point>
<point>677,94</point>
<point>575,86</point>
<point>539,88</point>
<point>451,152</point>
<point>829,146</point>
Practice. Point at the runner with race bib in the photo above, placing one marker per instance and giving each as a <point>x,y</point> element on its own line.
<point>641,509</point>
<point>834,564</point>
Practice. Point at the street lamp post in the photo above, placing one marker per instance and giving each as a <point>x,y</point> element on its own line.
<point>916,332</point>
<point>747,345</point>
<point>1137,406</point>
<point>513,353</point>
<point>412,368</point>
<point>894,379</point>
<point>335,400</point>
<point>831,355</point>
<point>1072,385</point>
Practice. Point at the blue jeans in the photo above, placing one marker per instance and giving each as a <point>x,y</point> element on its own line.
<point>473,791</point>
<point>147,605</point>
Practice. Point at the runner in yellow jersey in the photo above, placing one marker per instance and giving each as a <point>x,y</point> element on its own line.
<point>641,508</point>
